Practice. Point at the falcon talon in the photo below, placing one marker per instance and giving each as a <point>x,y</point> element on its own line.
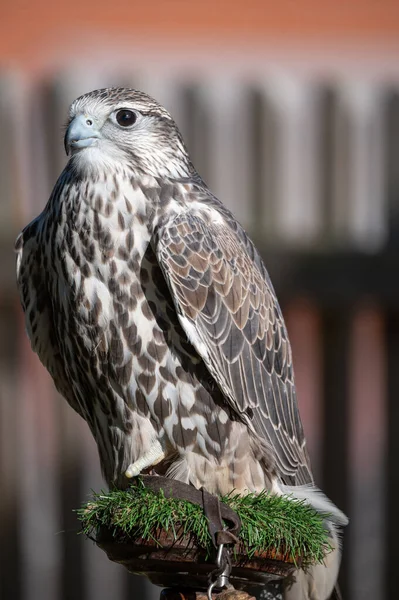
<point>132,471</point>
<point>154,455</point>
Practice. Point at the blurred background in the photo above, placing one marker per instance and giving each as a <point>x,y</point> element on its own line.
<point>290,110</point>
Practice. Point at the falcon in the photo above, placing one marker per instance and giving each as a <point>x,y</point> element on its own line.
<point>155,316</point>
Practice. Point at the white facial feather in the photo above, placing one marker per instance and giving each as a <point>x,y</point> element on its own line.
<point>152,144</point>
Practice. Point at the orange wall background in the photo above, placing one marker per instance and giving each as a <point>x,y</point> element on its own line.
<point>27,25</point>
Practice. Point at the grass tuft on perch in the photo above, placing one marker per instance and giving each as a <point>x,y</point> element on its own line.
<point>269,522</point>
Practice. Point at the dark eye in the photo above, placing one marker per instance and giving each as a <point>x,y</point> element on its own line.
<point>125,117</point>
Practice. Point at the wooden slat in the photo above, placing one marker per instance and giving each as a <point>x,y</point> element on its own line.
<point>38,489</point>
<point>293,104</point>
<point>11,435</point>
<point>358,212</point>
<point>225,102</point>
<point>11,576</point>
<point>392,490</point>
<point>336,327</point>
<point>303,321</point>
<point>263,188</point>
<point>197,126</point>
<point>391,167</point>
<point>367,446</point>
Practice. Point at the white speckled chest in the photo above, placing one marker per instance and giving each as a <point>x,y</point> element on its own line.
<point>120,338</point>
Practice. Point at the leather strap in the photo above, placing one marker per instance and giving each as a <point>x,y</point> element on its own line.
<point>215,511</point>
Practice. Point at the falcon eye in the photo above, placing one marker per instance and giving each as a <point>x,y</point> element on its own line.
<point>125,117</point>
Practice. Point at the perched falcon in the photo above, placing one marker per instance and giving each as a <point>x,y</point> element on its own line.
<point>154,313</point>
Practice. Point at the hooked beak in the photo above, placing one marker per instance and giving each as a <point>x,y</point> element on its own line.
<point>81,133</point>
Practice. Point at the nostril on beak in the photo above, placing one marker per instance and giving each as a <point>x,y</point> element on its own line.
<point>81,133</point>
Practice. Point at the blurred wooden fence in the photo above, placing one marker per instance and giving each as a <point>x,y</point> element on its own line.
<point>311,169</point>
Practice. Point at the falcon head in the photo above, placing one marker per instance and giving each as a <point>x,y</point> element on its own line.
<point>118,126</point>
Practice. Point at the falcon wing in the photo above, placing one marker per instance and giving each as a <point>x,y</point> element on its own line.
<point>36,303</point>
<point>229,311</point>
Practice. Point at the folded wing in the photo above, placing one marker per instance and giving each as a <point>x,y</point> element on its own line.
<point>229,311</point>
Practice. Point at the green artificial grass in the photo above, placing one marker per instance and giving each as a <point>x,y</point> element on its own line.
<point>269,522</point>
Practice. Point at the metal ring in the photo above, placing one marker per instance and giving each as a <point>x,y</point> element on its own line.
<point>210,590</point>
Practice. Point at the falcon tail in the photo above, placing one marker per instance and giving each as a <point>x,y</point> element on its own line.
<point>318,500</point>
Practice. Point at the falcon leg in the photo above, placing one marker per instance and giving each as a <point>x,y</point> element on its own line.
<point>154,455</point>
